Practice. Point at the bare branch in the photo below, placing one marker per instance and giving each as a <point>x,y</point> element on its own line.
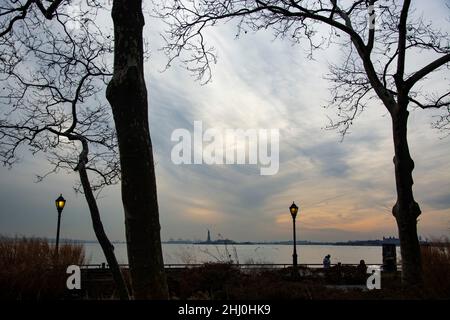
<point>411,81</point>
<point>378,49</point>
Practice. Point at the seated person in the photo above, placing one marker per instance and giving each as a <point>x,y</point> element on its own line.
<point>326,262</point>
<point>362,268</point>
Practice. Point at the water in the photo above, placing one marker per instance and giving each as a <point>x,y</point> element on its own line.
<point>307,254</point>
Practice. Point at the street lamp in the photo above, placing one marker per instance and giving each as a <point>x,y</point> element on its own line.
<point>60,202</point>
<point>294,209</point>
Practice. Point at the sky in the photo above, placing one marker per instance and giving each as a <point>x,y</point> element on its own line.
<point>345,190</point>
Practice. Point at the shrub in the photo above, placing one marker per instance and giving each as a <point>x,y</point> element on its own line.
<point>28,269</point>
<point>436,268</point>
<point>210,279</point>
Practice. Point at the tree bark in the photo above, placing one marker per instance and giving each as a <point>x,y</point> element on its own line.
<point>107,247</point>
<point>406,210</point>
<point>127,95</point>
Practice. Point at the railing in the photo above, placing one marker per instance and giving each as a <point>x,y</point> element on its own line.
<point>242,266</point>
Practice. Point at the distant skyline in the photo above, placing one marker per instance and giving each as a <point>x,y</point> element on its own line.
<point>345,191</point>
<point>212,239</point>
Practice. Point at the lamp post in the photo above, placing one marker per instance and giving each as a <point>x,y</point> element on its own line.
<point>60,202</point>
<point>294,209</point>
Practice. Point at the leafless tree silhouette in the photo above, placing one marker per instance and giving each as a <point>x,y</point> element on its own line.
<point>379,36</point>
<point>127,95</point>
<point>51,78</point>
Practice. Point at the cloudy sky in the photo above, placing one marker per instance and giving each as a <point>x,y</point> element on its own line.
<point>345,190</point>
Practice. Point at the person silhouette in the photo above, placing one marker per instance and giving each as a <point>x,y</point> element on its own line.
<point>361,272</point>
<point>326,261</point>
<point>362,267</point>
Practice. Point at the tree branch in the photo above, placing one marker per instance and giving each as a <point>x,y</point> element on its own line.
<point>412,80</point>
<point>402,44</point>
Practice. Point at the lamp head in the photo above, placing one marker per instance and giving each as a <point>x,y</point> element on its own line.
<point>60,203</point>
<point>293,209</point>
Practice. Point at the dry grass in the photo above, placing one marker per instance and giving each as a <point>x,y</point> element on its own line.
<point>28,269</point>
<point>436,268</point>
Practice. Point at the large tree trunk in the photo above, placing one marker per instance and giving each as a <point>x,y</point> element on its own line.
<point>127,95</point>
<point>406,210</point>
<point>107,247</point>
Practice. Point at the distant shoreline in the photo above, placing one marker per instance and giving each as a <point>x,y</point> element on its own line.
<point>371,243</point>
<point>287,243</point>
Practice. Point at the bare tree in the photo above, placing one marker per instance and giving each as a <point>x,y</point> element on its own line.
<point>127,94</point>
<point>380,35</point>
<point>128,98</point>
<point>51,79</point>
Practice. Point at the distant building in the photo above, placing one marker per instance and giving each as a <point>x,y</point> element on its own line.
<point>211,241</point>
<point>391,240</point>
<point>208,239</point>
